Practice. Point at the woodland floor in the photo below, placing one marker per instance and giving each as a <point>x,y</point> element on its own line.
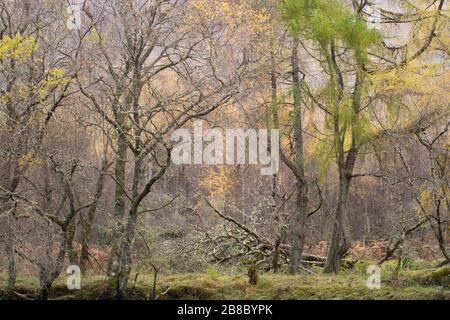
<point>426,284</point>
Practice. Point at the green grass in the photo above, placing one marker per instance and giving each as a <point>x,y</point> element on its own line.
<point>424,284</point>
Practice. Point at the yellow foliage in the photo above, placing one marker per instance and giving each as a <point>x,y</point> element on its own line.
<point>426,80</point>
<point>17,47</point>
<point>254,23</point>
<point>56,77</point>
<point>26,159</point>
<point>218,181</point>
<point>20,48</point>
<point>426,201</point>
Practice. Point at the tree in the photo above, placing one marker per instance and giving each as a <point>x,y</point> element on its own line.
<point>155,43</point>
<point>345,41</point>
<point>34,86</point>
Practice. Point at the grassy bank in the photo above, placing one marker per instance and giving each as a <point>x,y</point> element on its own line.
<point>407,284</point>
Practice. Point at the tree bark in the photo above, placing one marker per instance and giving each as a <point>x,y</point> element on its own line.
<point>129,234</point>
<point>9,290</point>
<point>47,277</point>
<point>298,225</point>
<point>279,224</point>
<point>340,240</point>
<point>87,222</point>
<point>119,204</point>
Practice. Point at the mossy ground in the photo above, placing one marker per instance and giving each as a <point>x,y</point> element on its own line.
<point>426,284</point>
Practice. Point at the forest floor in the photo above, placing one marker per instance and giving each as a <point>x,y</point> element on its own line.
<point>426,284</point>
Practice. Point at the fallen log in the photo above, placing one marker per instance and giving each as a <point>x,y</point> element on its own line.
<point>313,263</point>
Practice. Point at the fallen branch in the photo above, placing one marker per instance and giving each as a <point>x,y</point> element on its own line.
<point>392,248</point>
<point>234,221</point>
<point>22,296</point>
<point>162,294</point>
<point>242,241</point>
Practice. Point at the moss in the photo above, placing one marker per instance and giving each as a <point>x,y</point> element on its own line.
<point>213,272</point>
<point>408,284</point>
<point>345,286</point>
<point>439,277</point>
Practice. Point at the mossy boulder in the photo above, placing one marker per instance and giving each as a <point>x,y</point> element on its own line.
<point>439,277</point>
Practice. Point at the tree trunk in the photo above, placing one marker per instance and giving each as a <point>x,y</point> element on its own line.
<point>9,248</point>
<point>279,224</point>
<point>71,250</point>
<point>125,262</point>
<point>298,225</point>
<point>340,240</point>
<point>87,222</point>
<point>129,233</point>
<point>119,204</point>
<point>11,268</point>
<point>299,228</point>
<point>85,247</point>
<point>438,173</point>
<point>47,276</point>
<point>44,291</point>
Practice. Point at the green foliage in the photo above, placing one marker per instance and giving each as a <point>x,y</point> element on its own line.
<point>327,22</point>
<point>316,20</point>
<point>333,23</point>
<point>357,35</point>
<point>323,153</point>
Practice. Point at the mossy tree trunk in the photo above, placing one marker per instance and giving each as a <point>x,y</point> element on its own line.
<point>12,275</point>
<point>298,225</point>
<point>119,202</point>
<point>346,159</point>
